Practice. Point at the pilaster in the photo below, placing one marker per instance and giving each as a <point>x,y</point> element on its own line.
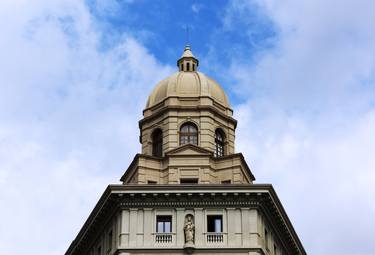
<point>133,227</point>
<point>199,226</point>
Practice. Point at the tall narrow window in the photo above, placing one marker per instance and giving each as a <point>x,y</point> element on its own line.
<point>219,143</point>
<point>99,251</point>
<point>266,238</point>
<point>187,66</point>
<point>188,134</point>
<point>215,223</point>
<point>110,237</point>
<point>163,224</point>
<point>157,143</point>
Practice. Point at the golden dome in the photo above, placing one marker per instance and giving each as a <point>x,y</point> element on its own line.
<point>187,83</point>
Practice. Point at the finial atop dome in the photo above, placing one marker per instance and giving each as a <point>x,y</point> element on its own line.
<point>188,62</point>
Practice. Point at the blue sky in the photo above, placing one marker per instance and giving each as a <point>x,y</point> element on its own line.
<point>162,28</point>
<point>75,76</point>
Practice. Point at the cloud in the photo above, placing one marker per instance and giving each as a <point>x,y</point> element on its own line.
<point>196,7</point>
<point>308,117</point>
<point>66,126</point>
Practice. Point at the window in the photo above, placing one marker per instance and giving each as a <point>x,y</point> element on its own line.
<point>151,182</point>
<point>157,143</point>
<point>215,223</point>
<point>189,181</point>
<point>219,143</point>
<point>163,224</point>
<point>274,249</point>
<point>188,134</point>
<point>226,182</point>
<point>110,237</point>
<point>187,66</point>
<point>266,238</point>
<point>99,251</point>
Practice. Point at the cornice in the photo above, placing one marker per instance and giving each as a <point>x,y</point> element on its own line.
<point>166,108</point>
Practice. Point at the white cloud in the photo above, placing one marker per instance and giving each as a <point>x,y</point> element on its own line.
<point>196,7</point>
<point>309,125</point>
<point>66,126</point>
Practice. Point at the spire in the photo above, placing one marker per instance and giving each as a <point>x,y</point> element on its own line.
<point>188,62</point>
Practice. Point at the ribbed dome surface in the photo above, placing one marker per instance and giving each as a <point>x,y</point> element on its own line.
<point>187,84</point>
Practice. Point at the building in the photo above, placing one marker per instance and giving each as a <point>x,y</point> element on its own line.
<point>188,191</point>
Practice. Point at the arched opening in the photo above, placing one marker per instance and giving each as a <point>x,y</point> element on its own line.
<point>157,143</point>
<point>188,134</point>
<point>219,143</point>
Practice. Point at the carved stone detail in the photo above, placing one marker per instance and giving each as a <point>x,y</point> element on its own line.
<point>189,230</point>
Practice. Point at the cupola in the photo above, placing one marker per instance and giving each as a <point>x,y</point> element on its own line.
<point>188,62</point>
<point>187,108</point>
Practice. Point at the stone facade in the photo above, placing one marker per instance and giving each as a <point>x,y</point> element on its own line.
<point>188,192</point>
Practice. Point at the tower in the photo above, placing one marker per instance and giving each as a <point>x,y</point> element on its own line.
<point>188,191</point>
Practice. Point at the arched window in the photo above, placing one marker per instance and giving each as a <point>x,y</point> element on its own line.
<point>219,143</point>
<point>188,134</point>
<point>157,143</point>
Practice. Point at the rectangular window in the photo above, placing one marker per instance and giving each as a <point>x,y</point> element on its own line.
<point>110,237</point>
<point>189,181</point>
<point>226,182</point>
<point>163,224</point>
<point>215,223</point>
<point>151,182</point>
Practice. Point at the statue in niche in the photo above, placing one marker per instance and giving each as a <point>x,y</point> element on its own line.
<point>189,229</point>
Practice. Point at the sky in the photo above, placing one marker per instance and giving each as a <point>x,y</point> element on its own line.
<point>75,76</point>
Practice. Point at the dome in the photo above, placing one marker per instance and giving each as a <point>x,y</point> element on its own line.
<point>187,83</point>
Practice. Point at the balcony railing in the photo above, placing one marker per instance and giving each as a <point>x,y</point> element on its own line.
<point>214,238</point>
<point>163,238</point>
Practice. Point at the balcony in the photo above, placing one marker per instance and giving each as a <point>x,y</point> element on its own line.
<point>214,238</point>
<point>163,238</point>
